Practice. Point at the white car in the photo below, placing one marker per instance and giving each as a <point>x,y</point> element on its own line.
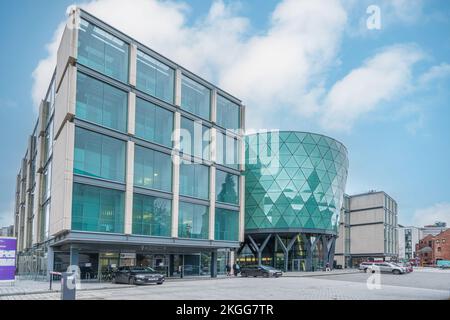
<point>386,267</point>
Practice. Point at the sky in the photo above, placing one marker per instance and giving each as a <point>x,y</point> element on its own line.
<point>374,74</point>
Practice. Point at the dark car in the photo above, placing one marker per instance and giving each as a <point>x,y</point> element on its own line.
<point>137,275</point>
<point>260,271</point>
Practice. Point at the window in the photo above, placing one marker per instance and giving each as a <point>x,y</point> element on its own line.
<point>48,142</point>
<point>194,180</point>
<point>46,183</point>
<point>226,225</point>
<point>153,123</point>
<point>152,169</point>
<point>99,156</point>
<point>193,221</point>
<point>44,222</point>
<point>228,113</point>
<point>155,78</point>
<point>102,51</point>
<point>101,103</point>
<point>195,98</point>
<point>152,216</point>
<point>195,138</point>
<point>227,150</point>
<point>227,187</point>
<point>50,100</point>
<point>97,209</point>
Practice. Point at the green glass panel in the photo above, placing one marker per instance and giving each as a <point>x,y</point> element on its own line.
<point>194,180</point>
<point>102,51</point>
<point>99,156</point>
<point>193,221</point>
<point>227,187</point>
<point>152,216</point>
<point>153,123</point>
<point>226,225</point>
<point>101,103</point>
<point>97,209</point>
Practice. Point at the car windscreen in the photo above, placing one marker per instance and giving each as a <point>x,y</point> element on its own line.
<point>142,270</point>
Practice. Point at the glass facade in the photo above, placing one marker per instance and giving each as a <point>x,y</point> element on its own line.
<point>194,180</point>
<point>227,150</point>
<point>97,209</point>
<point>195,98</point>
<point>152,169</point>
<point>226,225</point>
<point>153,123</point>
<point>228,113</point>
<point>195,139</point>
<point>227,187</point>
<point>102,51</point>
<point>101,103</point>
<point>152,216</point>
<point>99,156</point>
<point>294,180</point>
<point>155,78</point>
<point>193,221</point>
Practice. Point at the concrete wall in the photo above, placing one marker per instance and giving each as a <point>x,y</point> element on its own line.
<point>365,201</point>
<point>367,216</point>
<point>367,239</point>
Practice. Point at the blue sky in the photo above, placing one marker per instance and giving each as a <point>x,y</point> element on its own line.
<point>300,65</point>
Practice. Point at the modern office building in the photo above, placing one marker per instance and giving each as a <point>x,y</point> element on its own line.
<point>408,237</point>
<point>433,229</point>
<point>7,231</point>
<point>368,229</point>
<point>134,160</point>
<point>294,186</point>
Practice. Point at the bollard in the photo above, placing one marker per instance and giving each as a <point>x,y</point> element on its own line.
<point>68,286</point>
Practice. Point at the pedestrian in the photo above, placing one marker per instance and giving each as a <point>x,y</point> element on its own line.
<point>228,269</point>
<point>327,268</point>
<point>236,269</point>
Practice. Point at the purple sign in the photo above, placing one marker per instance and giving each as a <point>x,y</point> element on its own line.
<point>8,259</point>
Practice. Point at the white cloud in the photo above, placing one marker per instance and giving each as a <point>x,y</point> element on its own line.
<point>437,212</point>
<point>434,73</point>
<point>381,78</point>
<point>279,73</point>
<point>275,68</point>
<point>7,215</point>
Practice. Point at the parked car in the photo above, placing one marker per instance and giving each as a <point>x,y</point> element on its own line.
<point>408,266</point>
<point>137,275</point>
<point>385,267</point>
<point>263,271</point>
<point>364,265</point>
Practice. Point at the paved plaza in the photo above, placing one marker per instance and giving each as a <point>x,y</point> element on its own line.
<point>421,284</point>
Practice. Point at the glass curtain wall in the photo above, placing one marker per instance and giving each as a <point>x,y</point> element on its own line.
<point>152,169</point>
<point>153,123</point>
<point>152,216</point>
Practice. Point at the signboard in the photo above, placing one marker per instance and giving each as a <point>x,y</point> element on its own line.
<point>127,255</point>
<point>8,259</point>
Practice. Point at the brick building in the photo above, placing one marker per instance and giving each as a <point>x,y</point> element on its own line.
<point>433,248</point>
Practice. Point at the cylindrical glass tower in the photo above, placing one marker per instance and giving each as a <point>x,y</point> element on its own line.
<point>294,186</point>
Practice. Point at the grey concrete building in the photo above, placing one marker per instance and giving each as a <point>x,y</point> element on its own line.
<point>134,160</point>
<point>368,229</point>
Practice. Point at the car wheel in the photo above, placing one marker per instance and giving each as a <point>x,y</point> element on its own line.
<point>131,281</point>
<point>396,272</point>
<point>159,283</point>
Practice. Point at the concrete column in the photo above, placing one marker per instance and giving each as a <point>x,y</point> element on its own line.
<point>214,105</point>
<point>232,257</point>
<point>133,65</point>
<point>50,260</point>
<point>212,202</point>
<point>131,113</point>
<point>241,208</point>
<point>213,145</point>
<point>176,174</point>
<point>178,76</point>
<point>74,255</point>
<point>129,188</point>
<point>214,264</point>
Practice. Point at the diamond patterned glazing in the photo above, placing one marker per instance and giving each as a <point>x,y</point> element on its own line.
<point>294,180</point>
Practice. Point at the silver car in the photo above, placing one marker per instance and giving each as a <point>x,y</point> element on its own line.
<point>385,267</point>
